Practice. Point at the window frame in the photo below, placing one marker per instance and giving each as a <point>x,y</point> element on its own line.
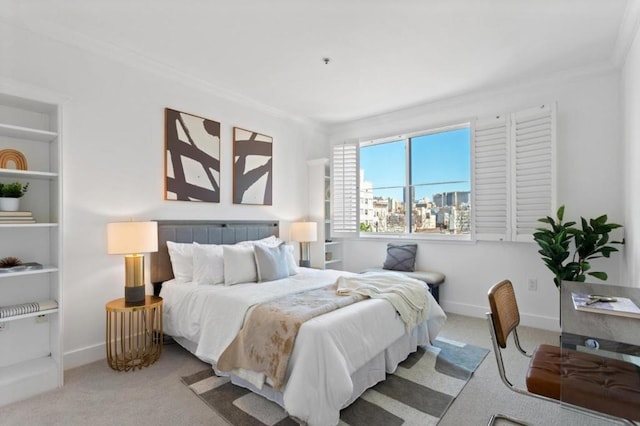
<point>506,181</point>
<point>408,187</point>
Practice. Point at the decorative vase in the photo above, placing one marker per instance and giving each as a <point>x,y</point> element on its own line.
<point>8,204</point>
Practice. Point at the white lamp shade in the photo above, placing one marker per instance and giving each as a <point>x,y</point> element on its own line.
<point>304,231</point>
<point>132,237</point>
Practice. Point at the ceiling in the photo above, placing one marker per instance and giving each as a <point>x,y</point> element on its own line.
<point>384,55</point>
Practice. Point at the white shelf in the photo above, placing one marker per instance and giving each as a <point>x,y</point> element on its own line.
<point>29,315</point>
<point>329,262</point>
<point>29,225</point>
<point>332,243</point>
<point>11,131</point>
<point>46,269</point>
<point>27,174</point>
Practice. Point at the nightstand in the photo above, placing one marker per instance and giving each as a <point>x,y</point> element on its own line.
<point>134,333</point>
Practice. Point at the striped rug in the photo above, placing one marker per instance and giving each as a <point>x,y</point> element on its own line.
<point>418,393</point>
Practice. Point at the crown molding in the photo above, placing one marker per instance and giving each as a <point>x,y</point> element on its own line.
<point>626,33</point>
<point>480,93</point>
<point>141,62</point>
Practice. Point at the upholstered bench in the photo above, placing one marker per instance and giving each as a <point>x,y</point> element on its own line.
<point>602,384</point>
<point>432,278</point>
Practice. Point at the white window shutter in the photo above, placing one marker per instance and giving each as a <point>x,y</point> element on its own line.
<point>345,184</point>
<point>533,137</point>
<point>490,179</point>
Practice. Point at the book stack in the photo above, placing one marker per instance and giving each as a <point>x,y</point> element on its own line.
<point>619,306</point>
<point>27,308</point>
<point>16,217</point>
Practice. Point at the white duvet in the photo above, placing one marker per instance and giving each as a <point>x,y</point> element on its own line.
<point>328,348</point>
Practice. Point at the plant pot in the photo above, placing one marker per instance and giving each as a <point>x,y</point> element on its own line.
<point>8,204</point>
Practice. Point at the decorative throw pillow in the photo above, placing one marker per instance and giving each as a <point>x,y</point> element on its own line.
<point>181,255</point>
<point>271,262</point>
<point>239,264</point>
<point>273,241</point>
<point>208,264</point>
<point>401,257</point>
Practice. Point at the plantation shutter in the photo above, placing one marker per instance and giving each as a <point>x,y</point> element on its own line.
<point>344,190</point>
<point>533,134</point>
<point>490,184</point>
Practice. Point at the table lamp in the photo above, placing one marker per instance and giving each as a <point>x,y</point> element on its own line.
<point>304,232</point>
<point>132,239</point>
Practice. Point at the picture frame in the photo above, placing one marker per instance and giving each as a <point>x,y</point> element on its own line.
<point>192,157</point>
<point>252,167</point>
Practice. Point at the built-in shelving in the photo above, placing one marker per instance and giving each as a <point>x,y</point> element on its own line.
<point>20,132</point>
<point>46,269</point>
<point>29,225</point>
<point>31,344</point>
<point>29,315</point>
<point>27,174</point>
<point>326,252</point>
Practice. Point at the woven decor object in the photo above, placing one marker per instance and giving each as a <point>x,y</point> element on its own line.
<point>12,155</point>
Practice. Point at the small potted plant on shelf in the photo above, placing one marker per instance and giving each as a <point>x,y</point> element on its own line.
<point>10,194</point>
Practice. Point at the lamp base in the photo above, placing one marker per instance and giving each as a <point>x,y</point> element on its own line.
<point>134,294</point>
<point>305,263</point>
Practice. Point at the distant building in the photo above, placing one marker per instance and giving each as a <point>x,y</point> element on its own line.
<point>367,212</point>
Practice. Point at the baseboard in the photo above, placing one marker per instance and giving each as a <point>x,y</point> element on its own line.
<point>535,321</point>
<point>84,356</point>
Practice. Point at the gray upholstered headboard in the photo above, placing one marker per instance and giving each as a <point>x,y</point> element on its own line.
<point>203,232</point>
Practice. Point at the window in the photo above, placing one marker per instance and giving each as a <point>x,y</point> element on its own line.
<point>490,179</point>
<point>419,184</point>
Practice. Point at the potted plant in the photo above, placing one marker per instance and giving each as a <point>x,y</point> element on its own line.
<point>589,241</point>
<point>10,194</point>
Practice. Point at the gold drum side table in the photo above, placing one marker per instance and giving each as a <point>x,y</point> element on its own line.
<point>134,333</point>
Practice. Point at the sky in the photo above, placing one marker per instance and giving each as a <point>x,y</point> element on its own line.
<point>436,159</point>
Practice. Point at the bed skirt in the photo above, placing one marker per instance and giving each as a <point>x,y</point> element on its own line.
<point>363,378</point>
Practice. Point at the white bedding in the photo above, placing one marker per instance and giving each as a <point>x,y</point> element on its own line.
<point>328,348</point>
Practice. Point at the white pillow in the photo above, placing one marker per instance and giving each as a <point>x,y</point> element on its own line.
<point>270,241</point>
<point>239,264</point>
<point>271,262</point>
<point>291,259</point>
<point>208,264</point>
<point>181,255</point>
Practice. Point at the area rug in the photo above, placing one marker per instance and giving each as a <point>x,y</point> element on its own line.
<point>418,393</point>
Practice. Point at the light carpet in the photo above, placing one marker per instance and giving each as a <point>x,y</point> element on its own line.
<point>418,393</point>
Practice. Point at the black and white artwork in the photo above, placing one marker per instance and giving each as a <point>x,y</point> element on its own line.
<point>192,157</point>
<point>252,167</point>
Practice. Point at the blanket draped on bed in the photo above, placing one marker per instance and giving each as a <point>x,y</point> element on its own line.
<point>407,295</point>
<point>265,342</point>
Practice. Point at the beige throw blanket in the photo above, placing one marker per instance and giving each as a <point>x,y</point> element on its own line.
<point>407,295</point>
<point>265,342</point>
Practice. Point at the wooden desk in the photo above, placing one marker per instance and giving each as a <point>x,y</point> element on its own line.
<point>608,332</point>
<point>134,333</point>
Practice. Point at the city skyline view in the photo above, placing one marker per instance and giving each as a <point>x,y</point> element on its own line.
<point>440,181</point>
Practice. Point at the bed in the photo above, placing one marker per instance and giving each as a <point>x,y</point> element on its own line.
<point>336,356</point>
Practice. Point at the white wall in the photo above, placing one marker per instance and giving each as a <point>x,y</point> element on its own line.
<point>631,107</point>
<point>113,170</point>
<point>113,147</point>
<point>590,182</point>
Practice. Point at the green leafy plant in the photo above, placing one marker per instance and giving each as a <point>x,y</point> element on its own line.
<point>13,189</point>
<point>365,228</point>
<point>589,241</point>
